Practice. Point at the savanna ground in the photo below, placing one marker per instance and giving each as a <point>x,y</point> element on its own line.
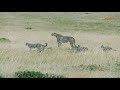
<point>91,29</point>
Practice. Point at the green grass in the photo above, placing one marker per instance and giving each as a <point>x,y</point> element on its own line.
<point>62,21</point>
<point>33,74</point>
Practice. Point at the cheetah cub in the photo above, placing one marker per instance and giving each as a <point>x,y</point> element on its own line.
<point>107,48</point>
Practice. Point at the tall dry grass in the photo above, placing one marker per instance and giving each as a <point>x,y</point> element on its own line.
<point>15,56</point>
<point>88,29</point>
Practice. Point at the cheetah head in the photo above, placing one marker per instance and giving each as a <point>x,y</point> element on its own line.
<point>53,34</point>
<point>26,44</point>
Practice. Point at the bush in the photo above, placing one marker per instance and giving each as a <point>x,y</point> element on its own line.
<point>4,40</point>
<point>95,67</point>
<point>33,74</point>
<point>92,67</point>
<point>1,76</point>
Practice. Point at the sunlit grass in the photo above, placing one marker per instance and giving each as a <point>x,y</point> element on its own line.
<point>89,30</point>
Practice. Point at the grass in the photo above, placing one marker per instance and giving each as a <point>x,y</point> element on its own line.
<point>89,30</point>
<point>33,74</point>
<point>61,21</point>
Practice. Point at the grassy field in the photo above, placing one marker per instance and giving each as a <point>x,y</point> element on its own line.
<point>91,29</point>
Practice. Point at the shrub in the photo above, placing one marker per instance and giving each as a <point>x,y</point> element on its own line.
<point>95,67</point>
<point>4,40</point>
<point>92,67</point>
<point>33,74</point>
<point>1,76</point>
<point>28,28</point>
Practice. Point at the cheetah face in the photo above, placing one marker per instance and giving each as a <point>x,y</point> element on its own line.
<point>78,45</point>
<point>26,44</point>
<point>53,34</point>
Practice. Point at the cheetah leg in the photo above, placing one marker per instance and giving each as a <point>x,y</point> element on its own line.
<point>71,44</point>
<point>38,50</point>
<point>59,44</point>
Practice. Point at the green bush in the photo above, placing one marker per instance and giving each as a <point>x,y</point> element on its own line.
<point>33,74</point>
<point>4,40</point>
<point>1,76</point>
<point>92,67</point>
